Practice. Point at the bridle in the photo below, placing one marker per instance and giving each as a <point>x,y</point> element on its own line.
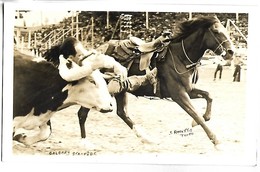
<point>220,44</point>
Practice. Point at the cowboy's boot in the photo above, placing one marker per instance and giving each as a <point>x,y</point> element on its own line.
<point>134,82</point>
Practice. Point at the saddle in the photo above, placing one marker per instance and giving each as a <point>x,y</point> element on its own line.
<point>125,51</point>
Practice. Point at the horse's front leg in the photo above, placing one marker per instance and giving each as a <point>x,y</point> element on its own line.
<point>184,101</point>
<point>121,102</point>
<point>197,93</point>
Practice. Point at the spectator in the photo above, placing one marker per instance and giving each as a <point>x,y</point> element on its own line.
<point>220,63</point>
<point>38,49</point>
<point>34,49</point>
<point>237,63</point>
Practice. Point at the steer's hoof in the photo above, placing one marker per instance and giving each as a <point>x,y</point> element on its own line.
<point>87,144</point>
<point>20,137</point>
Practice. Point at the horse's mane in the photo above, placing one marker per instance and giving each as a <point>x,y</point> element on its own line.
<point>66,49</point>
<point>185,28</point>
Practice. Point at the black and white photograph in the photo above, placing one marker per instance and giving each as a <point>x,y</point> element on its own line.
<point>154,83</point>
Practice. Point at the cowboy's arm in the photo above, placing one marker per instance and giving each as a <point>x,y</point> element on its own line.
<point>90,64</point>
<point>104,61</point>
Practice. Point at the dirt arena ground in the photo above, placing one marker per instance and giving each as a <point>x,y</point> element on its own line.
<point>160,119</point>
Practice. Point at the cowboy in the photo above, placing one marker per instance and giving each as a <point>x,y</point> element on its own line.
<point>117,82</point>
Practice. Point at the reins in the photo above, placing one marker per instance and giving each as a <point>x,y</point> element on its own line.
<point>186,55</point>
<point>189,67</point>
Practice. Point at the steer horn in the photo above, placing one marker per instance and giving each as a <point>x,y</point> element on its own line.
<point>74,73</point>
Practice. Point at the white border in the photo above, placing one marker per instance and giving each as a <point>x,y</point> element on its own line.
<point>9,10</point>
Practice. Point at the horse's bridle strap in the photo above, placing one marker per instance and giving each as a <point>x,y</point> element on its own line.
<point>220,45</point>
<point>188,67</point>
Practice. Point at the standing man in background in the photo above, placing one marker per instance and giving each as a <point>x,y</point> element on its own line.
<point>220,63</point>
<point>237,63</point>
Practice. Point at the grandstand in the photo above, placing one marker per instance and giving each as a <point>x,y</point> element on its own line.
<point>95,28</point>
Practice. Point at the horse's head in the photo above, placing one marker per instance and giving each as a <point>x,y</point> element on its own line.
<point>218,40</point>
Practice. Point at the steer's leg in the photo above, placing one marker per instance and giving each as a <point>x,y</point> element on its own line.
<point>82,115</point>
<point>43,134</point>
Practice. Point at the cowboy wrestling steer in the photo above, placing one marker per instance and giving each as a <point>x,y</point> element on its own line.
<point>40,91</point>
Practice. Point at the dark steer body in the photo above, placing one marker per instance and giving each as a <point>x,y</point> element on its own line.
<point>39,91</point>
<point>38,86</point>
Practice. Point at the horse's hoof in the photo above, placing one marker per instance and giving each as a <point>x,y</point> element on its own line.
<point>219,146</point>
<point>206,118</point>
<point>141,134</point>
<point>148,140</point>
<point>194,123</point>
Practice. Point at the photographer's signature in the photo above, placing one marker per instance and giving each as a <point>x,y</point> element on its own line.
<point>184,133</point>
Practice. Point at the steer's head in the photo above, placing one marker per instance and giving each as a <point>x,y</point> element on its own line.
<point>89,91</point>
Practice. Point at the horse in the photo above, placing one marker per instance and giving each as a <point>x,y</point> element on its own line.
<point>184,53</point>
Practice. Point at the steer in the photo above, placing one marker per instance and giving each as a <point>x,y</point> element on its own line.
<point>40,91</point>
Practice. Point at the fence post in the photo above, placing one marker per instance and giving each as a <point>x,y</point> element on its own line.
<point>147,20</point>
<point>77,25</point>
<point>92,32</point>
<point>62,35</point>
<point>22,44</point>
<point>49,43</point>
<point>29,40</point>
